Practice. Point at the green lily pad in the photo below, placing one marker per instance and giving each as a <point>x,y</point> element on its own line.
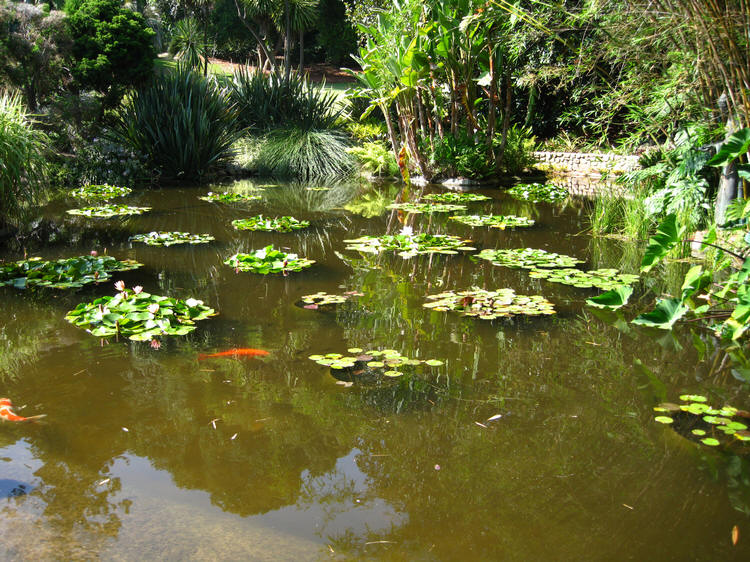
<point>278,224</point>
<point>63,273</point>
<point>663,419</point>
<point>693,398</point>
<point>710,441</point>
<point>493,221</point>
<point>539,192</point>
<point>103,192</point>
<point>698,432</point>
<point>268,260</point>
<point>229,197</point>
<point>605,279</point>
<point>418,208</point>
<point>527,258</point>
<point>450,197</point>
<point>108,211</point>
<point>138,315</point>
<point>409,245</point>
<point>489,305</point>
<point>171,238</point>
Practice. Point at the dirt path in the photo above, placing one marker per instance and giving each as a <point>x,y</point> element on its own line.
<point>318,72</point>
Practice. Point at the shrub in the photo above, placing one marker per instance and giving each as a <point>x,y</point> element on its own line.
<point>185,123</point>
<point>22,160</point>
<point>305,154</point>
<point>104,160</point>
<point>460,155</point>
<point>376,159</point>
<point>269,101</point>
<point>519,145</point>
<point>112,48</point>
<point>187,42</point>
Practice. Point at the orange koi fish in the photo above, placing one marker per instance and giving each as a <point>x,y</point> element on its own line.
<point>237,352</point>
<point>7,413</point>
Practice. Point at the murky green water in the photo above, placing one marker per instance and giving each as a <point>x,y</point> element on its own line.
<point>153,454</point>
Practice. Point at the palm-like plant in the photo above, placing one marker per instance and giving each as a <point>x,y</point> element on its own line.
<point>188,43</point>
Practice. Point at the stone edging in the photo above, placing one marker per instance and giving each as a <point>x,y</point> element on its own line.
<point>585,163</point>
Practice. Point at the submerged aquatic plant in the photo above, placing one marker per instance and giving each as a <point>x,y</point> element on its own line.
<point>268,260</point>
<point>138,315</point>
<point>493,221</point>
<point>278,224</point>
<point>417,208</point>
<point>711,426</point>
<point>527,258</point>
<point>63,273</point>
<point>409,245</point>
<point>229,197</point>
<point>606,279</point>
<point>488,305</point>
<point>171,238</point>
<point>102,192</point>
<point>451,197</point>
<point>539,192</point>
<point>108,211</point>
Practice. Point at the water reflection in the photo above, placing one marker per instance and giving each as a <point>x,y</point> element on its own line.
<point>157,454</point>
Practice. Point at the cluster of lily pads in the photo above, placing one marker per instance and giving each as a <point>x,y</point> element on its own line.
<point>493,221</point>
<point>527,258</point>
<point>385,362</point>
<point>605,279</point>
<point>322,298</point>
<point>489,305</point>
<point>708,424</point>
<point>63,273</point>
<point>102,192</point>
<point>538,192</point>
<point>108,211</point>
<point>268,260</point>
<point>171,238</point>
<point>229,197</point>
<point>408,245</point>
<point>417,208</point>
<point>138,315</point>
<point>278,224</point>
<point>450,197</point>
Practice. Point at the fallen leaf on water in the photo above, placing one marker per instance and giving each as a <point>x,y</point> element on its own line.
<point>102,482</point>
<point>234,436</point>
<point>735,535</point>
<point>495,417</point>
<point>628,506</point>
<point>125,429</point>
<point>480,424</point>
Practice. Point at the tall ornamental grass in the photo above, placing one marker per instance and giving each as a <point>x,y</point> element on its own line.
<point>22,160</point>
<point>185,123</point>
<point>272,101</point>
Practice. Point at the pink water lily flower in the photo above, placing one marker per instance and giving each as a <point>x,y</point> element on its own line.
<point>153,308</point>
<point>137,289</point>
<point>120,285</point>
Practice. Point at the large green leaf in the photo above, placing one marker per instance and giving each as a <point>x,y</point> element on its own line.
<point>664,315</point>
<point>614,299</point>
<point>736,145</point>
<point>659,245</point>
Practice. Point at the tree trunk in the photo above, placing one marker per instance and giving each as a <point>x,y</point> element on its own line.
<point>491,111</point>
<point>301,51</point>
<point>205,40</point>
<point>531,108</point>
<point>506,119</point>
<point>287,40</point>
<point>395,145</point>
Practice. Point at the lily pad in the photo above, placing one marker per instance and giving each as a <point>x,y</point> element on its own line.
<point>605,279</point>
<point>450,197</point>
<point>102,192</point>
<point>278,224</point>
<point>710,441</point>
<point>364,368</point>
<point>138,315</point>
<point>322,298</point>
<point>539,192</point>
<point>693,398</point>
<point>418,208</point>
<point>493,221</point>
<point>171,238</point>
<point>527,258</point>
<point>63,273</point>
<point>410,245</point>
<point>108,211</point>
<point>229,197</point>
<point>268,260</point>
<point>664,419</point>
<point>488,305</point>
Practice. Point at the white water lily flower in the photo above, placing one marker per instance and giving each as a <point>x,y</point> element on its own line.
<point>407,231</point>
<point>261,254</point>
<point>153,308</point>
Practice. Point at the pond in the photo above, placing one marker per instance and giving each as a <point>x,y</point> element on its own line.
<point>524,439</point>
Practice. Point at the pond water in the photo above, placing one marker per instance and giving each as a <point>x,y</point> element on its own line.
<point>156,454</point>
